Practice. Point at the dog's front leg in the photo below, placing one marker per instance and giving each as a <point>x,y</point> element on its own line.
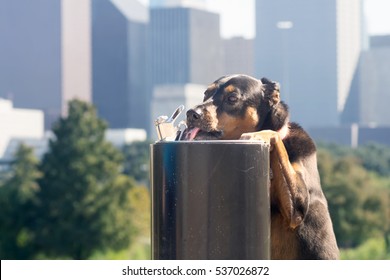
<point>288,188</point>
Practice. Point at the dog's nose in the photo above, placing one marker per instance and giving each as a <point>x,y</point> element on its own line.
<point>193,115</point>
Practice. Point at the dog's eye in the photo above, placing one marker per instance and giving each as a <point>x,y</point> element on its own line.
<point>232,99</point>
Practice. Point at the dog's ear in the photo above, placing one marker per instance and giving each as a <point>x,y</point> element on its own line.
<point>271,91</point>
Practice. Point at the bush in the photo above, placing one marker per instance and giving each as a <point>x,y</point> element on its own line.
<point>372,249</point>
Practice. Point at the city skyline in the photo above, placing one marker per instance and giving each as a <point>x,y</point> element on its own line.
<point>375,11</point>
<point>175,45</point>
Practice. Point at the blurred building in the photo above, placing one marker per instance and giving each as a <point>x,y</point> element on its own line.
<point>18,123</point>
<point>166,98</point>
<point>119,48</point>
<point>239,56</point>
<point>312,48</point>
<point>368,103</point>
<point>121,137</point>
<point>351,135</point>
<point>200,4</point>
<point>185,46</point>
<point>40,145</point>
<point>380,41</point>
<point>45,54</point>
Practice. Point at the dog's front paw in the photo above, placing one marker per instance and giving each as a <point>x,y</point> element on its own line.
<point>267,136</point>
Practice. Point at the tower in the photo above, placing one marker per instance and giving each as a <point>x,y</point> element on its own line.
<point>45,54</point>
<point>312,48</point>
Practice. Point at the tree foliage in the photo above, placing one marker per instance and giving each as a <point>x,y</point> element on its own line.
<point>137,161</point>
<point>359,199</point>
<point>375,157</point>
<point>84,204</point>
<point>18,197</point>
<point>140,200</point>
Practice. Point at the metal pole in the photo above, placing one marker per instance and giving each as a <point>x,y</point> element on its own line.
<point>210,200</point>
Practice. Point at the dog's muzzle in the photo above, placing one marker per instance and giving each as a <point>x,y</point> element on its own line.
<point>198,127</point>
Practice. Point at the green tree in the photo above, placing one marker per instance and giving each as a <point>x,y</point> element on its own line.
<point>375,157</point>
<point>84,202</point>
<point>357,199</point>
<point>18,196</point>
<point>140,201</point>
<point>372,156</point>
<point>137,161</point>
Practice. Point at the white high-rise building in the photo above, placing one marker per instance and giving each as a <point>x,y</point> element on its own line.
<point>18,123</point>
<point>349,46</point>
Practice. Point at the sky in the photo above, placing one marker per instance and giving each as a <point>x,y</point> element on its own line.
<point>238,16</point>
<point>377,15</point>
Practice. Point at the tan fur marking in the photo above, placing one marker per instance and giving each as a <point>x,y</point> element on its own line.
<point>252,116</point>
<point>234,127</point>
<point>230,88</point>
<point>211,117</point>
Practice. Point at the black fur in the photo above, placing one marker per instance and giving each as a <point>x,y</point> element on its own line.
<point>298,143</point>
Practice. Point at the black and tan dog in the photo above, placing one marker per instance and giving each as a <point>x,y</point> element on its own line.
<point>242,107</point>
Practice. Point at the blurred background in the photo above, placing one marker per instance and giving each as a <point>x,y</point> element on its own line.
<point>81,82</point>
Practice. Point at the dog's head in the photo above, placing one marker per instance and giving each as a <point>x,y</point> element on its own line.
<point>232,105</point>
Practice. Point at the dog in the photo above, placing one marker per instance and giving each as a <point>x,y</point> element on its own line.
<point>242,107</point>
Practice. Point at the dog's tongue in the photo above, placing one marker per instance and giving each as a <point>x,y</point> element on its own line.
<point>191,134</point>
